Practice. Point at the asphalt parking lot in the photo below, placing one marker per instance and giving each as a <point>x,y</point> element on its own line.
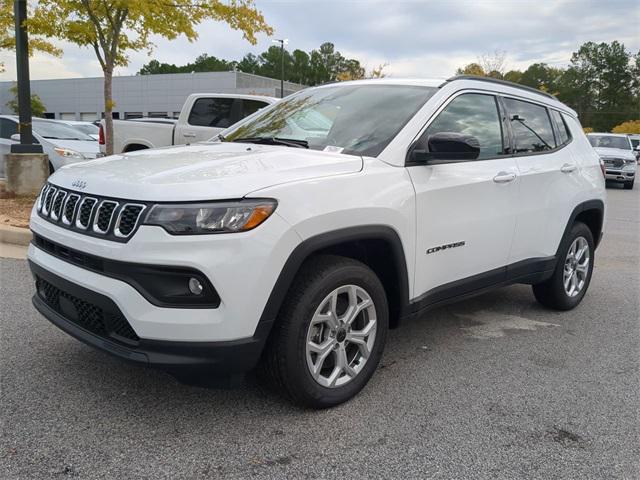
<point>494,387</point>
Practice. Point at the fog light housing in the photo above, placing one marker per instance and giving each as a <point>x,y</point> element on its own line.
<point>195,286</point>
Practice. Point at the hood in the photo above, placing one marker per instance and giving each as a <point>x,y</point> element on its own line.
<point>86,147</point>
<point>615,153</point>
<point>211,171</point>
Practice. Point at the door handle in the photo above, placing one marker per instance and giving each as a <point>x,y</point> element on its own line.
<point>504,177</point>
<point>567,168</point>
<point>189,135</point>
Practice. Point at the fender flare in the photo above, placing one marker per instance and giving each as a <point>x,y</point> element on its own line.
<point>595,204</point>
<point>322,241</point>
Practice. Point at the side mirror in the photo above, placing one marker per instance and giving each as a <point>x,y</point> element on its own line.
<point>15,137</point>
<point>446,147</point>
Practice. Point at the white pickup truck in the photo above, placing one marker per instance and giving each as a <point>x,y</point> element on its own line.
<point>203,115</point>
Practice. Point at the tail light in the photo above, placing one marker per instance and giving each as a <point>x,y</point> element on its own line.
<point>602,168</point>
<point>101,135</point>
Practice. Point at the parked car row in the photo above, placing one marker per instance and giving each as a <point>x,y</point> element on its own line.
<point>63,142</point>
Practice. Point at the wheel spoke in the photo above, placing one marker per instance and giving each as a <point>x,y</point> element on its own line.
<point>343,362</point>
<point>574,283</point>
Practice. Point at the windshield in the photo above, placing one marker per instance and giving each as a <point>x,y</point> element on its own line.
<point>353,119</point>
<point>609,141</point>
<point>88,128</point>
<point>58,131</point>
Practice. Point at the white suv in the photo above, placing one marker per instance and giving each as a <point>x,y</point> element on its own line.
<point>294,241</point>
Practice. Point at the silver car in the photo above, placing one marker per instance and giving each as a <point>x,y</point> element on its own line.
<point>62,143</point>
<point>616,151</point>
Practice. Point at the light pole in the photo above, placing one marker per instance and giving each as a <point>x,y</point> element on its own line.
<point>26,144</point>
<point>282,42</point>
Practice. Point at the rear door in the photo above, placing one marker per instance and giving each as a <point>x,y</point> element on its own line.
<point>548,178</point>
<point>466,211</point>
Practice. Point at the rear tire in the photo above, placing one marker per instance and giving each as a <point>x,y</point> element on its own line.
<point>572,275</point>
<point>313,337</point>
<point>629,185</point>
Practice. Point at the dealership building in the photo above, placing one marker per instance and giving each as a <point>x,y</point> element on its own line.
<point>140,95</point>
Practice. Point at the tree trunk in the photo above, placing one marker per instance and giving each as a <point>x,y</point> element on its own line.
<point>108,110</point>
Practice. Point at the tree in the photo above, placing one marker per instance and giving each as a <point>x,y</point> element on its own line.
<point>631,126</point>
<point>542,77</point>
<point>8,34</point>
<point>113,27</point>
<point>471,69</point>
<point>37,107</point>
<point>600,84</point>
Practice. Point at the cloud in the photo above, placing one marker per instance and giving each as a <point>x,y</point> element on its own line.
<point>416,38</point>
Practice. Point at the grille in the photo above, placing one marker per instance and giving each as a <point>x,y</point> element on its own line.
<point>56,209</point>
<point>128,219</point>
<point>614,162</point>
<point>85,314</point>
<point>86,209</point>
<point>103,217</point>
<point>70,209</point>
<point>48,199</point>
<point>99,217</point>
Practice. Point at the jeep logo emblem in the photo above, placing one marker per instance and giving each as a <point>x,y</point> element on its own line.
<point>79,184</point>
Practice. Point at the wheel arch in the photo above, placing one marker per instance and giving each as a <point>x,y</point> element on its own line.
<point>134,146</point>
<point>591,213</point>
<point>378,246</point>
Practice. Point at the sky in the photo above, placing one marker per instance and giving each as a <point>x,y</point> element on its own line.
<point>416,38</point>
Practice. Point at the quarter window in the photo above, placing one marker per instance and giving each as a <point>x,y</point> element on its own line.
<point>212,112</point>
<point>473,114</point>
<point>531,126</point>
<point>561,128</point>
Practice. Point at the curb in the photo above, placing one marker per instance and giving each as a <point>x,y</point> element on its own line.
<point>15,235</point>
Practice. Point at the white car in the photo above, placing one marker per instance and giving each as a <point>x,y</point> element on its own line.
<point>62,144</point>
<point>296,252</point>
<point>618,156</point>
<point>88,128</point>
<point>203,115</point>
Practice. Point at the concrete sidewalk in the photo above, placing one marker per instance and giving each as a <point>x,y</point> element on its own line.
<point>14,241</point>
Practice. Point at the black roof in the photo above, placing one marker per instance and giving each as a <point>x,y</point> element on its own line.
<point>500,82</point>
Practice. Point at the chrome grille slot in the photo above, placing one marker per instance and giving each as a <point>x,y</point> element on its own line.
<point>85,211</point>
<point>128,219</point>
<point>104,214</point>
<point>69,208</point>
<point>43,193</point>
<point>58,201</point>
<point>48,200</point>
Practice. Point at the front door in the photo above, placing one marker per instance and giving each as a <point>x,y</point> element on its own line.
<point>466,211</point>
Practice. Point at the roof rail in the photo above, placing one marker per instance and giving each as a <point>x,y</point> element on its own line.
<point>500,82</point>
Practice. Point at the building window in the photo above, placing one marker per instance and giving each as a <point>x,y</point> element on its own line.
<point>130,115</point>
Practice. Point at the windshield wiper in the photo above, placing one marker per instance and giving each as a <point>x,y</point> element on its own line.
<point>288,142</point>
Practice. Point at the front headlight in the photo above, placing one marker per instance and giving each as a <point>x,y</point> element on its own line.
<point>69,154</point>
<point>213,217</point>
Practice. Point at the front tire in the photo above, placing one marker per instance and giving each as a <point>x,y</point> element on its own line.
<point>330,333</point>
<point>572,275</point>
<point>629,185</point>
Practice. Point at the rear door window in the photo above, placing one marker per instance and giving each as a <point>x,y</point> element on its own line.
<point>212,112</point>
<point>7,128</point>
<point>531,126</point>
<point>249,107</point>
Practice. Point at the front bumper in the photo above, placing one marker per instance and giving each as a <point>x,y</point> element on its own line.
<point>211,358</point>
<point>619,175</point>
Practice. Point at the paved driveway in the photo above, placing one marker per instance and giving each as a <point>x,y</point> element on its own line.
<point>494,387</point>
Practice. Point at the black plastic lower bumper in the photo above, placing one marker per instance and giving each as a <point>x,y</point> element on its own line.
<point>179,358</point>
